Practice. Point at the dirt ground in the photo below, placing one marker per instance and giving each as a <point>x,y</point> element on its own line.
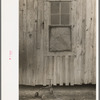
<point>84,92</point>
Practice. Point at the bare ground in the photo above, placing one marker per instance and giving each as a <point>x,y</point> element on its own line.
<point>84,92</point>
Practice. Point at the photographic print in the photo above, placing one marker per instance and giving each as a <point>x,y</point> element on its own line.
<point>57,49</point>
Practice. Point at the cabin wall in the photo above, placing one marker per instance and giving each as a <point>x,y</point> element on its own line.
<point>35,68</point>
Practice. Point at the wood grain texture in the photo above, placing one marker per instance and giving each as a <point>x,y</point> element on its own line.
<point>31,40</point>
<point>94,44</point>
<point>20,40</point>
<point>77,40</point>
<point>23,56</point>
<point>37,65</point>
<point>67,70</point>
<point>39,40</point>
<point>58,70</point>
<point>55,70</point>
<point>71,69</point>
<point>61,71</point>
<point>89,43</point>
<point>83,38</point>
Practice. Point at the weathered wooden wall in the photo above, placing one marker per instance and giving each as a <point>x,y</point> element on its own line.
<point>37,65</point>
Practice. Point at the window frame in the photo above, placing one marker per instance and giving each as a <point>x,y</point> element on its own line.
<point>47,20</point>
<point>60,24</point>
<point>60,18</point>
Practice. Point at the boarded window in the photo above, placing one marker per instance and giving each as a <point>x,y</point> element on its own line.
<point>60,39</point>
<point>60,13</point>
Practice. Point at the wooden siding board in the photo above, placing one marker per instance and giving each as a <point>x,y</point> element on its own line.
<point>61,70</point>
<point>89,43</point>
<point>78,40</point>
<point>92,26</point>
<point>74,38</point>
<point>20,39</point>
<point>71,69</point>
<point>20,7</point>
<point>40,22</point>
<point>49,68</point>
<point>58,70</point>
<point>20,45</point>
<point>24,66</point>
<point>47,71</point>
<point>46,28</point>
<point>44,71</point>
<point>39,41</point>
<point>31,39</point>
<point>55,71</point>
<point>67,70</point>
<point>52,81</point>
<point>94,43</point>
<point>83,38</point>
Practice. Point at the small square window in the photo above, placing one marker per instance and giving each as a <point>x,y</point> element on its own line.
<point>60,13</point>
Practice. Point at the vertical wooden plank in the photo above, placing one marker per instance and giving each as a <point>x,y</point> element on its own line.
<point>39,41</point>
<point>20,40</point>
<point>20,45</point>
<point>47,71</point>
<point>46,26</point>
<point>61,70</point>
<point>67,70</point>
<point>55,70</point>
<point>78,40</point>
<point>40,22</point>
<point>93,32</point>
<point>94,43</point>
<point>20,7</point>
<point>45,66</point>
<point>45,42</point>
<point>74,37</point>
<point>89,39</point>
<point>83,38</point>
<point>45,36</point>
<point>58,70</point>
<point>24,66</point>
<point>50,69</point>
<point>71,69</point>
<point>31,39</point>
